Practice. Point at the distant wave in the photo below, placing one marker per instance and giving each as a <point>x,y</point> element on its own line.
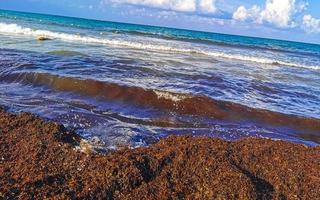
<point>209,41</point>
<point>16,29</point>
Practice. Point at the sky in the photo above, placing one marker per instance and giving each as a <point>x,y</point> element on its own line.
<point>297,20</point>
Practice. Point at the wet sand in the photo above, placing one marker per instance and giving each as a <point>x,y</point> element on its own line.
<point>40,159</point>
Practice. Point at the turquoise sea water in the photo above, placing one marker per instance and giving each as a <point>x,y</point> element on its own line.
<point>133,84</point>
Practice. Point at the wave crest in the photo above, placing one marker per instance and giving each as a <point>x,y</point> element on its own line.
<point>16,29</point>
<point>172,102</point>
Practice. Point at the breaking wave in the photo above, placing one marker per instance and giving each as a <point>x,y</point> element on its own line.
<point>16,29</point>
<point>185,104</point>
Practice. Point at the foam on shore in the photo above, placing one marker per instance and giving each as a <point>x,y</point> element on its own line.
<point>19,30</point>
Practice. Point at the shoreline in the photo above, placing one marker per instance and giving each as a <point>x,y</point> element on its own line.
<point>40,159</point>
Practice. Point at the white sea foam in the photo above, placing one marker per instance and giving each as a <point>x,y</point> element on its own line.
<point>16,29</point>
<point>170,96</point>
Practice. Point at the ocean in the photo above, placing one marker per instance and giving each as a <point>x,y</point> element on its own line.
<point>126,84</point>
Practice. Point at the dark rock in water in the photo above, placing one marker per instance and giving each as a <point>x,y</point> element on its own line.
<point>43,38</point>
<point>40,160</point>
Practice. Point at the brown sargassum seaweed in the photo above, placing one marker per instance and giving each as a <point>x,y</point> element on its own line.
<point>38,160</point>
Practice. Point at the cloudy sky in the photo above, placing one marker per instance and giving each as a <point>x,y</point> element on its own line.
<point>297,20</point>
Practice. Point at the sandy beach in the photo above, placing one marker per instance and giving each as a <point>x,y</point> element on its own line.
<point>41,159</point>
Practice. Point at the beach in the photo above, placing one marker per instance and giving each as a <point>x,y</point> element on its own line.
<point>94,109</point>
<point>41,159</point>
<point>132,85</point>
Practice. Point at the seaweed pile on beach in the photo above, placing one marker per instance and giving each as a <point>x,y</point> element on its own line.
<point>40,159</point>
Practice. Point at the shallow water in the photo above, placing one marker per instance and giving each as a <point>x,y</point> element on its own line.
<point>131,84</point>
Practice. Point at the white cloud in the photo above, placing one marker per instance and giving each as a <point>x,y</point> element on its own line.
<point>243,14</point>
<point>310,24</point>
<point>204,6</point>
<point>277,12</point>
<point>208,6</point>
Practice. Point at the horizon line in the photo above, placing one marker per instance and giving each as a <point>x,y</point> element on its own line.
<point>168,27</point>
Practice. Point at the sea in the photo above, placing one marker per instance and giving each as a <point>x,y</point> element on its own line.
<point>119,84</point>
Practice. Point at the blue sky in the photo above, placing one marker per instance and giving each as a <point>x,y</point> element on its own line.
<point>297,20</point>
